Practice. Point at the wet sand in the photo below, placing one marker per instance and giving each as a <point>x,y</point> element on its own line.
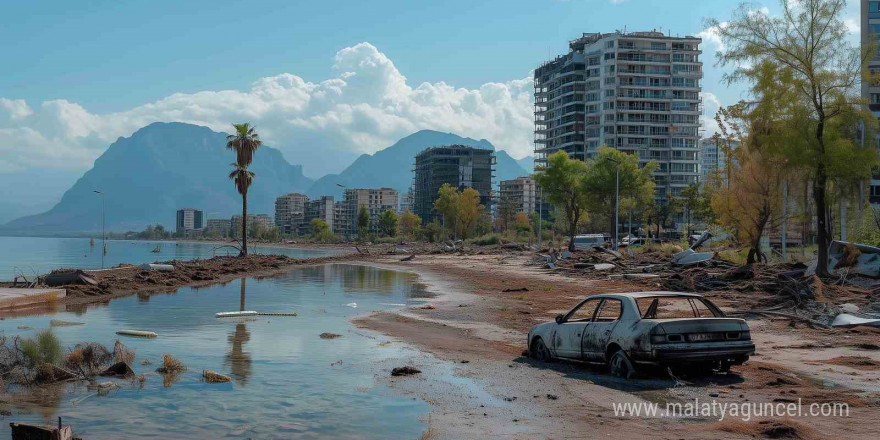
<point>481,331</point>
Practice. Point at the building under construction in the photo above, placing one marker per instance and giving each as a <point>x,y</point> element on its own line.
<point>458,165</point>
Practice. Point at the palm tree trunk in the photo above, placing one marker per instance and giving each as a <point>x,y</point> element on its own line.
<point>244,230</point>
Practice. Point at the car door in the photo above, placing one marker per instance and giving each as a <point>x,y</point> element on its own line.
<point>567,339</point>
<point>599,331</point>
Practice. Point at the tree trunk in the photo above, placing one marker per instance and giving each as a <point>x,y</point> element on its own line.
<point>244,230</point>
<point>819,197</point>
<point>821,220</point>
<point>573,232</point>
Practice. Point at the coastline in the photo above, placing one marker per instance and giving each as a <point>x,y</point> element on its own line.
<point>469,348</point>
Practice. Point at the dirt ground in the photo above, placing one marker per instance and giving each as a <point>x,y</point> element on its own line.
<point>487,303</point>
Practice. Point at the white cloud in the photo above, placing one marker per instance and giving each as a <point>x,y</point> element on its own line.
<point>852,25</point>
<point>366,105</point>
<point>711,36</point>
<point>711,104</point>
<point>15,109</point>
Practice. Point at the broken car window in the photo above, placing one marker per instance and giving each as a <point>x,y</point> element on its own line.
<point>610,311</point>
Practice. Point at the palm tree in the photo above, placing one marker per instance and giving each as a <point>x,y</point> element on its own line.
<point>243,178</point>
<point>244,142</point>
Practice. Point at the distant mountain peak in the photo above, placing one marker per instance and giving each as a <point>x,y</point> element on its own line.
<point>160,168</point>
<point>392,166</point>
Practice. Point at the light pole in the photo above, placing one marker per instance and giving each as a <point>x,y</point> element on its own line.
<point>540,215</point>
<point>616,195</point>
<point>103,228</point>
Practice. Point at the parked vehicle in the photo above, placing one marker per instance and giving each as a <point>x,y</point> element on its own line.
<point>630,240</point>
<point>589,241</point>
<point>629,330</point>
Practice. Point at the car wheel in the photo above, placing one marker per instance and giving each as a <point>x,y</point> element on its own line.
<point>540,352</point>
<point>620,366</point>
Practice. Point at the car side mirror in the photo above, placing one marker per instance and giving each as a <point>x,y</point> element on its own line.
<point>559,318</point>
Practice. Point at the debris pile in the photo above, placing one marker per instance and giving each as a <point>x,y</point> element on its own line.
<point>790,290</point>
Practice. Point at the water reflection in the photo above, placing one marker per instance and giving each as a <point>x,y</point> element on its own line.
<point>237,359</point>
<point>282,386</point>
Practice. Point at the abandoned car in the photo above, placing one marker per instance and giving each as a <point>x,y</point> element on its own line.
<point>628,330</point>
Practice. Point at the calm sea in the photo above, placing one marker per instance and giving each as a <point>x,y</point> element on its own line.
<point>288,383</point>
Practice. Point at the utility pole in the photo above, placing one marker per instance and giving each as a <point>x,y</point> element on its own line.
<point>103,227</point>
<point>784,220</point>
<point>616,196</point>
<point>540,215</point>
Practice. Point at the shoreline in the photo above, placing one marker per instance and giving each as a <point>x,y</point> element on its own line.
<point>469,347</point>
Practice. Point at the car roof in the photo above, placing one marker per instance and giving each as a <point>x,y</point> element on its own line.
<point>649,294</point>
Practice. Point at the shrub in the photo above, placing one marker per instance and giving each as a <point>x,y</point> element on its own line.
<point>43,349</point>
<point>487,239</point>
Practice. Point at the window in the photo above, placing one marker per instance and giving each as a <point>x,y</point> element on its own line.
<point>610,311</point>
<point>671,307</point>
<point>584,312</point>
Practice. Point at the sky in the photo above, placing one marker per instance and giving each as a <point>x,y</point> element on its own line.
<point>323,81</point>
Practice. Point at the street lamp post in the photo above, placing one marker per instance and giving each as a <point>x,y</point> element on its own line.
<point>103,227</point>
<point>540,215</point>
<point>616,196</point>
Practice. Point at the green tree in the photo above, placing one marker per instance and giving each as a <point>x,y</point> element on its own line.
<point>601,181</point>
<point>410,224</point>
<point>321,230</point>
<point>690,198</point>
<point>245,143</point>
<point>363,222</point>
<point>447,206</point>
<point>388,223</point>
<point>817,72</point>
<point>562,183</point>
<point>433,231</point>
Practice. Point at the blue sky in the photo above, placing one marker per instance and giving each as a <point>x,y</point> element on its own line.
<point>111,55</point>
<point>324,81</point>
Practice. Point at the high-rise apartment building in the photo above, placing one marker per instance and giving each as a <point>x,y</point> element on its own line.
<point>458,165</point>
<point>638,92</point>
<point>323,208</point>
<point>870,28</point>
<point>712,157</point>
<point>376,200</point>
<point>189,219</point>
<point>290,212</point>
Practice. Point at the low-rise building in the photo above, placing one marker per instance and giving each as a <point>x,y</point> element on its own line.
<point>217,227</point>
<point>254,222</point>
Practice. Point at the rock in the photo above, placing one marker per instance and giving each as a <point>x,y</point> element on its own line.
<point>215,377</point>
<point>603,266</point>
<point>405,371</point>
<point>119,369</point>
<point>329,335</point>
<point>849,308</point>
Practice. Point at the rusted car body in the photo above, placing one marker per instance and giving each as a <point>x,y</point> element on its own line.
<point>625,330</point>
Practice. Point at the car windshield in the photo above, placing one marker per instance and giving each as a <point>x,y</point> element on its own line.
<point>671,307</point>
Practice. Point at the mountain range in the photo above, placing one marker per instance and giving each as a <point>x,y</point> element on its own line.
<point>147,177</point>
<point>392,167</point>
